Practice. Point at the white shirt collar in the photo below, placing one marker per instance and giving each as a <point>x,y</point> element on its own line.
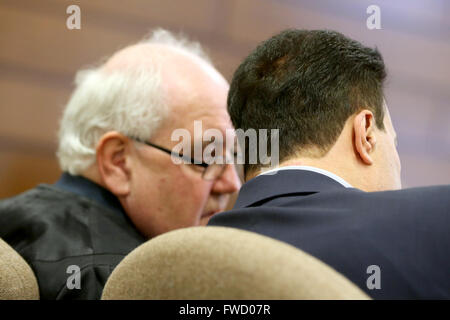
<point>313,169</point>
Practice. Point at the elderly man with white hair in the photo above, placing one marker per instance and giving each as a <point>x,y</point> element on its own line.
<point>120,184</point>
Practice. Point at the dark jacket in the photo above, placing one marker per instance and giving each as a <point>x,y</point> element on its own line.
<point>406,233</point>
<point>74,222</point>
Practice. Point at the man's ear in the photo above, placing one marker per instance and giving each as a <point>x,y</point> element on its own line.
<point>364,129</point>
<point>113,162</point>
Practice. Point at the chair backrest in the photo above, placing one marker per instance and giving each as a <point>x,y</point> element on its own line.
<point>17,280</point>
<point>224,263</point>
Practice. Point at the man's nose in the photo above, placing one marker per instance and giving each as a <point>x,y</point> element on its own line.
<point>229,181</point>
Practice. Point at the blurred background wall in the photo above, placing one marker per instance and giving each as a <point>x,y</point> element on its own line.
<point>39,57</point>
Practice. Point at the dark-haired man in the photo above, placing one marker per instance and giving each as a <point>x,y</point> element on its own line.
<point>336,193</point>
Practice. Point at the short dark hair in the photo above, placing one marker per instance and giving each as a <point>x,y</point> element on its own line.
<point>306,83</point>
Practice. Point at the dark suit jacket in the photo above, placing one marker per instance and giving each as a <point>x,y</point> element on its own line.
<point>406,233</point>
<point>74,222</point>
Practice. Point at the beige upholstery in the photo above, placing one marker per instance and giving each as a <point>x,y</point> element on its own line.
<point>224,263</point>
<point>17,280</point>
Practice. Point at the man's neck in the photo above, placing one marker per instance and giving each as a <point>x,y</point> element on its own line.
<point>321,165</point>
<point>92,174</point>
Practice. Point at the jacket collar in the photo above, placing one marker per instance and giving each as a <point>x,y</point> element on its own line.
<point>89,189</point>
<point>284,182</point>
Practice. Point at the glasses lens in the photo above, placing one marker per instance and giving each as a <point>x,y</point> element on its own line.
<point>213,171</point>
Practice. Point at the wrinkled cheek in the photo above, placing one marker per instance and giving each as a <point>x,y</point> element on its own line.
<point>190,195</point>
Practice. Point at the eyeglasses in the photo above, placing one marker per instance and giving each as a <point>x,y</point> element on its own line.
<point>210,172</point>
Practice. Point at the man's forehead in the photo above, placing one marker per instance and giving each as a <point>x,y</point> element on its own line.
<point>209,130</point>
<point>194,90</point>
<point>199,126</point>
<point>201,105</point>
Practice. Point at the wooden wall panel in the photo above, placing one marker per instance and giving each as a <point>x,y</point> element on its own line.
<point>415,54</point>
<point>197,16</point>
<point>30,111</point>
<point>23,170</point>
<point>419,169</point>
<point>43,43</point>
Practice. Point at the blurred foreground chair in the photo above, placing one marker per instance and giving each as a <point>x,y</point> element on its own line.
<point>17,280</point>
<point>224,263</point>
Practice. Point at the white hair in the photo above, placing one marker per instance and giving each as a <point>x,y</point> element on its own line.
<point>131,102</point>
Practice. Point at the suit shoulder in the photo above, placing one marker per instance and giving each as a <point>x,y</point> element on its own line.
<point>432,196</point>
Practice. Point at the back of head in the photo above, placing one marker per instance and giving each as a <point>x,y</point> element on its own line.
<point>306,84</point>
